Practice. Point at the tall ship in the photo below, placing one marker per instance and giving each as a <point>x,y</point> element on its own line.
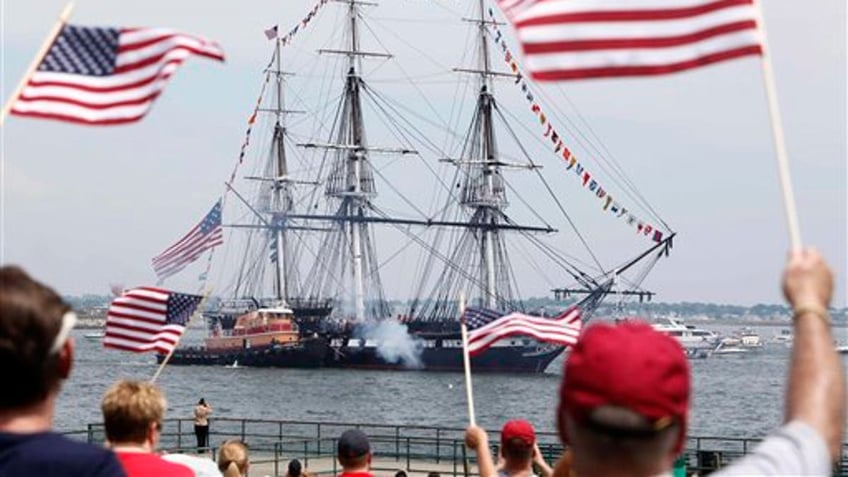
<point>327,205</point>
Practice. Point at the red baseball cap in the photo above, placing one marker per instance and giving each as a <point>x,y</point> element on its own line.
<point>629,365</point>
<point>518,429</point>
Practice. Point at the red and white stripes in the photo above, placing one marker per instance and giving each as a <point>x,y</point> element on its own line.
<point>573,39</point>
<point>137,322</point>
<point>146,59</point>
<point>563,330</point>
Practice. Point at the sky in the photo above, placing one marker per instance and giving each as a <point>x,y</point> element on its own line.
<point>83,207</point>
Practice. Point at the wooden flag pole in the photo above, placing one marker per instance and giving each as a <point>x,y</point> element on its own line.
<point>197,312</point>
<point>63,17</point>
<point>777,135</point>
<point>466,361</point>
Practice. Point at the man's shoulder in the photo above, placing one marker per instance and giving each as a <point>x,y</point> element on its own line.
<point>794,449</point>
<point>46,452</point>
<point>143,464</point>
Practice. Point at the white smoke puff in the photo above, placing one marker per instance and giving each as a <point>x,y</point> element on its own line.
<point>394,344</point>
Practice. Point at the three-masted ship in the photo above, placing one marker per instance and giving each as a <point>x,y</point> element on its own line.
<point>310,257</point>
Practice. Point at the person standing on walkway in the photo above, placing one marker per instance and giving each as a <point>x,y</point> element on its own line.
<point>626,389</point>
<point>354,454</point>
<point>233,459</point>
<point>36,357</point>
<point>133,412</point>
<point>519,451</point>
<point>201,424</point>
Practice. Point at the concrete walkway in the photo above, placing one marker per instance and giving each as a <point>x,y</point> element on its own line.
<point>262,465</point>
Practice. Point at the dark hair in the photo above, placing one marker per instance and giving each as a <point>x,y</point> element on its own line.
<point>400,473</point>
<point>433,474</point>
<point>294,468</point>
<point>202,402</point>
<point>516,449</point>
<point>30,318</point>
<point>618,437</point>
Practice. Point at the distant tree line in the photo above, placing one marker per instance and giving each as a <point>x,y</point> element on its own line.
<point>549,306</point>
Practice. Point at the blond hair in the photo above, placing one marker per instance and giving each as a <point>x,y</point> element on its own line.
<point>232,459</point>
<point>129,407</point>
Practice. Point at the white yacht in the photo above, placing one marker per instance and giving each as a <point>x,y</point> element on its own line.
<point>697,342</point>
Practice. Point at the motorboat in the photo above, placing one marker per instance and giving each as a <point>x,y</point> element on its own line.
<point>745,338</point>
<point>725,349</point>
<point>748,338</point>
<point>95,335</point>
<point>785,336</point>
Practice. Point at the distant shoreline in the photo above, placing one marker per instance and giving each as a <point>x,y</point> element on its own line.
<point>99,323</point>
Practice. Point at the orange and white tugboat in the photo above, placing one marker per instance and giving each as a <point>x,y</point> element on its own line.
<point>261,337</point>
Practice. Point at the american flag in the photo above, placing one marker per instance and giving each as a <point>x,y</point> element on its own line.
<point>563,330</point>
<point>574,39</point>
<point>101,76</point>
<point>476,317</point>
<point>271,33</point>
<point>204,236</point>
<point>148,319</point>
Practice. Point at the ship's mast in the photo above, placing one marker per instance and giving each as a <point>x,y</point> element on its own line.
<point>353,183</point>
<point>488,155</point>
<point>355,159</point>
<point>282,192</point>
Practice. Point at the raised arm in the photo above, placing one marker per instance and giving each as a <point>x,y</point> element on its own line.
<point>815,393</point>
<point>539,460</point>
<point>477,439</point>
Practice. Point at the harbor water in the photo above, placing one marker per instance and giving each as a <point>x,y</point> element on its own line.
<point>733,395</point>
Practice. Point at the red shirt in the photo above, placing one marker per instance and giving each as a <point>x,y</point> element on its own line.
<point>142,464</point>
<point>356,474</point>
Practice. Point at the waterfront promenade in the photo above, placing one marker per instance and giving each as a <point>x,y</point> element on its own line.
<point>416,449</point>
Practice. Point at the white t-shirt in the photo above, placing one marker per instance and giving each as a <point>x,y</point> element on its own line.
<point>201,466</point>
<point>794,449</point>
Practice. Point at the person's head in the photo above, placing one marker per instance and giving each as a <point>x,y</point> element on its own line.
<point>294,468</point>
<point>400,473</point>
<point>517,442</point>
<point>133,413</point>
<point>36,352</point>
<point>354,450</point>
<point>624,400</point>
<point>433,474</point>
<point>202,402</point>
<point>233,459</point>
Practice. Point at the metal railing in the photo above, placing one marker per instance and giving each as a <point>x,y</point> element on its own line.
<point>415,449</point>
